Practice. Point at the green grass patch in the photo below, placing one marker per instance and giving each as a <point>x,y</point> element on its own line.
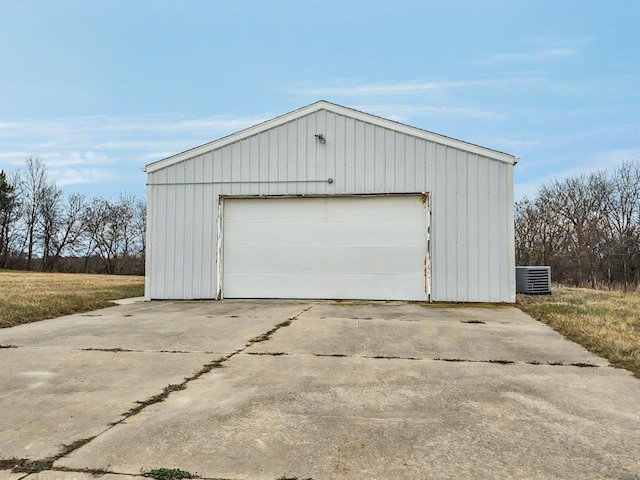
<point>29,296</point>
<point>604,322</point>
<point>168,474</point>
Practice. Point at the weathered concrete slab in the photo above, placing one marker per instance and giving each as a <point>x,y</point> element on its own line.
<point>302,414</point>
<point>56,475</point>
<point>415,311</point>
<point>9,475</point>
<point>481,334</point>
<point>353,309</point>
<point>214,327</point>
<point>358,418</point>
<point>52,397</point>
<point>129,301</point>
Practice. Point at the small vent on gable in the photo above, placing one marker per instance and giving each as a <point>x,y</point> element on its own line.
<point>533,280</point>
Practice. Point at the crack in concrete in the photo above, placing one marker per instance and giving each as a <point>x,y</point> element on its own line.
<point>205,369</point>
<point>500,362</point>
<point>390,357</point>
<point>112,350</point>
<point>452,360</point>
<point>37,465</point>
<point>127,350</point>
<point>95,472</point>
<point>29,466</point>
<point>98,472</point>
<point>376,357</point>
<point>267,335</point>
<point>563,364</point>
<point>271,354</point>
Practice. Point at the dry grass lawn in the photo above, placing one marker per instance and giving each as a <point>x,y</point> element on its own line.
<point>605,322</point>
<point>28,296</point>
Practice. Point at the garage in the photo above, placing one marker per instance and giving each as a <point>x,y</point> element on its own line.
<point>370,247</point>
<point>329,202</point>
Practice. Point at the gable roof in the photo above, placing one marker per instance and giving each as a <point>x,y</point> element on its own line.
<point>340,110</point>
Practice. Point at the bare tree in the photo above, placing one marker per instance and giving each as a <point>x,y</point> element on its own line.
<point>124,211</point>
<point>41,227</point>
<point>50,219</point>
<point>70,227</point>
<point>587,228</point>
<point>8,208</point>
<point>34,184</point>
<point>140,224</point>
<point>623,225</point>
<point>97,221</point>
<point>113,233</point>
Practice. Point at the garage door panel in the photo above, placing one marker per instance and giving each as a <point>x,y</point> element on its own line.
<point>369,247</point>
<point>312,260</point>
<point>312,210</point>
<point>261,210</point>
<point>332,286</point>
<point>386,209</point>
<point>327,234</point>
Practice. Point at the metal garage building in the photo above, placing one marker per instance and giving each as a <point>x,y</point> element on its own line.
<point>330,202</point>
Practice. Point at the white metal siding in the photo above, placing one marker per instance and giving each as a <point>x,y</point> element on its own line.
<point>472,201</point>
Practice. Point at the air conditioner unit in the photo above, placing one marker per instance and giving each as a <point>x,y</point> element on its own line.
<point>533,280</point>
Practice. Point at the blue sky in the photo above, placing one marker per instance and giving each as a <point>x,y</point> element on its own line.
<point>99,88</point>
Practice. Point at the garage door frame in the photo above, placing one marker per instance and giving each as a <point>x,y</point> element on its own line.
<point>426,202</point>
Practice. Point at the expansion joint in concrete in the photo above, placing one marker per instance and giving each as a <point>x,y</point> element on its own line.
<point>267,335</point>
<point>439,359</point>
<point>29,466</point>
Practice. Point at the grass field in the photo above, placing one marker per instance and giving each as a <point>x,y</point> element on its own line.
<point>605,322</point>
<point>28,296</point>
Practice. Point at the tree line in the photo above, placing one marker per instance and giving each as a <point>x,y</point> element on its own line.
<point>43,229</point>
<point>587,228</point>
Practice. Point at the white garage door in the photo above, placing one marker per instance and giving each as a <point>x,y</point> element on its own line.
<point>368,247</point>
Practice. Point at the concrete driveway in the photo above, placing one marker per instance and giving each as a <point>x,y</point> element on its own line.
<point>324,390</point>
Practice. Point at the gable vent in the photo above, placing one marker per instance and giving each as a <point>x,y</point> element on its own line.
<point>533,280</point>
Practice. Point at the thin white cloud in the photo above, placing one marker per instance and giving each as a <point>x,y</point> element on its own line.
<point>96,149</point>
<point>513,142</point>
<point>535,56</point>
<point>405,112</point>
<point>541,49</point>
<point>75,158</point>
<point>141,144</point>
<point>103,126</point>
<point>81,176</point>
<point>413,87</point>
<point>158,155</point>
<point>14,157</point>
<point>192,125</point>
<point>577,43</point>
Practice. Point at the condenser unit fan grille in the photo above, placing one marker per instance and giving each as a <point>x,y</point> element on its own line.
<point>533,280</point>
